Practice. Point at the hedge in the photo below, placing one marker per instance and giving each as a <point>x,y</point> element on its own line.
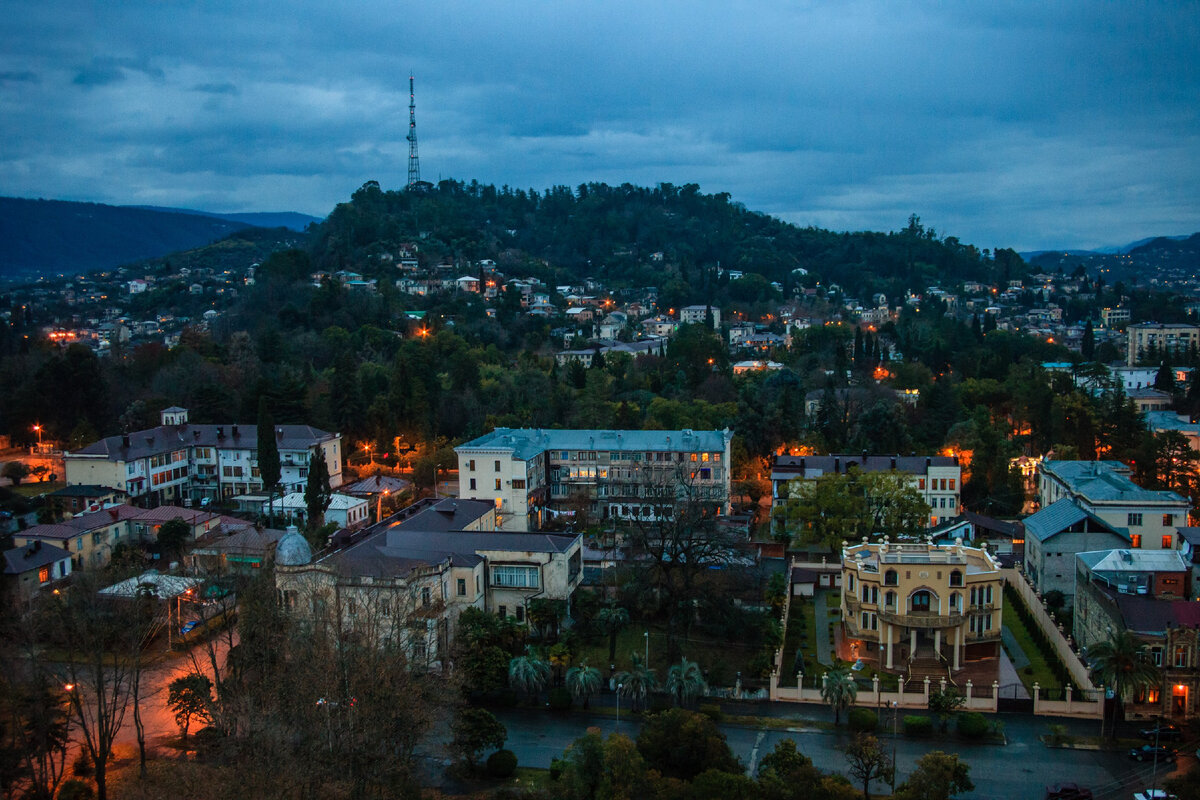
<point>502,764</point>
<point>972,725</point>
<point>863,719</point>
<point>560,699</point>
<point>916,725</point>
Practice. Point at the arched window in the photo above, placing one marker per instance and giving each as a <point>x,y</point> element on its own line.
<point>955,601</point>
<point>956,578</point>
<point>922,601</point>
<point>890,578</point>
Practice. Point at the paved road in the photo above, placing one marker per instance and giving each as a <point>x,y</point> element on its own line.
<point>1022,769</point>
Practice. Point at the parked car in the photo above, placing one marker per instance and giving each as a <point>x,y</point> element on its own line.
<point>1166,732</point>
<point>1155,794</point>
<point>1148,752</point>
<point>1068,791</point>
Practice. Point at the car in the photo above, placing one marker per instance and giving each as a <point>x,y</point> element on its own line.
<point>1068,791</point>
<point>1166,732</point>
<point>1155,794</point>
<point>1149,752</point>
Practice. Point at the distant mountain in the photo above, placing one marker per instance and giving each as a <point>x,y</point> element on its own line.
<point>50,237</point>
<point>1031,255</point>
<point>1173,245</point>
<point>292,220</point>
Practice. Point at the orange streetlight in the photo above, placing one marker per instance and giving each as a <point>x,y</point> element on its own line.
<point>38,428</point>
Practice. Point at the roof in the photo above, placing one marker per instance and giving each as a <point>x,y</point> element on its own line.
<point>794,466</point>
<point>1105,481</point>
<point>1170,421</point>
<point>86,490</point>
<point>375,485</point>
<point>1060,515</point>
<point>18,560</point>
<point>165,438</point>
<point>1101,561</point>
<point>1147,614</point>
<point>161,586</point>
<point>232,540</point>
<point>191,516</point>
<point>337,502</point>
<point>525,443</point>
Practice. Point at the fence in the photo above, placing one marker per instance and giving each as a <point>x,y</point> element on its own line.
<point>909,694</point>
<point>1058,641</point>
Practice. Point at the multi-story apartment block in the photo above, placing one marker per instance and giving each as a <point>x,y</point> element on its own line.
<point>1055,535</point>
<point>182,462</point>
<point>530,474</point>
<point>699,314</point>
<point>938,479</point>
<point>910,604</point>
<point>1104,489</point>
<point>1115,317</point>
<point>406,580</point>
<point>1159,338</point>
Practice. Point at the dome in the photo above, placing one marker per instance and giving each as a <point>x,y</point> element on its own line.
<point>293,549</point>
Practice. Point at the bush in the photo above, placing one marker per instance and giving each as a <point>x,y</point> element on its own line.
<point>560,699</point>
<point>972,725</point>
<point>76,790</point>
<point>556,768</point>
<point>863,719</point>
<point>915,725</point>
<point>502,764</point>
<point>712,711</point>
<point>659,703</point>
<point>82,768</point>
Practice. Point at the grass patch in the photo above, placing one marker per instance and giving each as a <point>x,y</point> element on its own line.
<point>36,489</point>
<point>1040,670</point>
<point>721,660</point>
<point>801,635</point>
<point>531,778</point>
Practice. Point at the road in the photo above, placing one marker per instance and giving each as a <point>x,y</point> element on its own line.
<point>1020,769</point>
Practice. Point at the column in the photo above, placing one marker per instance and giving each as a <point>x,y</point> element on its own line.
<point>937,641</point>
<point>912,643</point>
<point>890,629</point>
<point>957,644</point>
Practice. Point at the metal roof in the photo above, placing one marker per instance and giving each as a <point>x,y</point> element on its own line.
<point>526,443</point>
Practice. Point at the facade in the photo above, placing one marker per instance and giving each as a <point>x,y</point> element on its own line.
<point>1103,488</point>
<point>910,604</point>
<point>406,581</point>
<point>346,511</point>
<point>1115,317</point>
<point>1161,339</point>
<point>530,475</point>
<point>697,315</point>
<point>30,568</point>
<point>1053,537</point>
<point>938,479</point>
<point>179,462</point>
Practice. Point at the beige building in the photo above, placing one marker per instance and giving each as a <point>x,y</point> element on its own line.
<point>908,606</point>
<point>1155,337</point>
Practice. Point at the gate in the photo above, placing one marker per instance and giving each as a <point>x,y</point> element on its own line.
<point>1014,697</point>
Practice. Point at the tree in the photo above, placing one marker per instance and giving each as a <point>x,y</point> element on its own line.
<point>612,620</point>
<point>685,681</point>
<point>839,690</point>
<point>476,730</point>
<point>787,774</point>
<point>682,744</point>
<point>637,682</point>
<point>1164,379</point>
<point>583,681</point>
<point>1119,663</point>
<point>317,491</point>
<point>868,761</point>
<point>938,776</point>
<point>945,703</point>
<point>173,537</point>
<point>595,767</point>
<point>269,470</point>
<point>34,732</point>
<point>189,697</point>
<point>15,471</point>
<point>1088,347</point>
<point>528,674</point>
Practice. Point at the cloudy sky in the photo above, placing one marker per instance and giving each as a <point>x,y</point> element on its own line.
<point>1022,124</point>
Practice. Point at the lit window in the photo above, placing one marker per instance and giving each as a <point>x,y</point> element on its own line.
<point>1135,540</point>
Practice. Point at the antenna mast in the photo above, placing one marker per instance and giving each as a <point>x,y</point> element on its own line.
<point>414,164</point>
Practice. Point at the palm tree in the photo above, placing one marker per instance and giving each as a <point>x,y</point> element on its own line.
<point>839,690</point>
<point>583,681</point>
<point>638,681</point>
<point>1119,664</point>
<point>685,681</point>
<point>612,619</point>
<point>528,674</point>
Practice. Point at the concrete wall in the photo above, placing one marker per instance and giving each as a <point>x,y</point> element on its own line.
<point>1057,639</point>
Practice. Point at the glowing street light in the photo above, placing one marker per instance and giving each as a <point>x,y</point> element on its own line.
<point>38,428</point>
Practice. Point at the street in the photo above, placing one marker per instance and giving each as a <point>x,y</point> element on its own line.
<point>1021,769</point>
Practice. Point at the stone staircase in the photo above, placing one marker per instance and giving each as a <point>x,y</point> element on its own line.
<point>928,665</point>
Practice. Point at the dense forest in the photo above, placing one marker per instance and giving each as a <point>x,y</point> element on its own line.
<point>356,362</point>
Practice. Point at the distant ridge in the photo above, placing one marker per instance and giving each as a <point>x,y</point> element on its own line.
<point>292,220</point>
<point>1029,255</point>
<point>51,237</point>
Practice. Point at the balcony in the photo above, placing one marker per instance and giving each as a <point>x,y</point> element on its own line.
<point>921,619</point>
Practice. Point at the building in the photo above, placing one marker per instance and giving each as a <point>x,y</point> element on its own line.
<point>179,462</point>
<point>921,607</point>
<point>699,315</point>
<point>80,499</point>
<point>1103,488</point>
<point>1055,535</point>
<point>938,479</point>
<point>530,474</point>
<point>1115,317</point>
<point>29,569</point>
<point>234,549</point>
<point>345,511</point>
<point>408,578</point>
<point>1155,340</point>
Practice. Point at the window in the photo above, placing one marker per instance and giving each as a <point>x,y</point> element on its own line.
<point>952,481</point>
<point>497,484</point>
<point>1168,542</point>
<point>956,578</point>
<point>520,613</point>
<point>515,577</point>
<point>1168,520</point>
<point>921,484</point>
<point>472,484</point>
<point>425,596</point>
<point>955,602</point>
<point>1135,519</point>
<point>889,599</point>
<point>44,575</point>
<point>497,465</point>
<point>889,578</point>
<point>471,465</point>
<point>518,483</point>
<point>1180,659</point>
<point>476,584</point>
<point>503,611</point>
<point>462,587</point>
<point>1156,654</point>
<point>920,601</point>
<point>866,621</point>
<point>1135,540</point>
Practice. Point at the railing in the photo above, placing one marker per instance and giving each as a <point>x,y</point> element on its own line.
<point>920,620</point>
<point>983,636</point>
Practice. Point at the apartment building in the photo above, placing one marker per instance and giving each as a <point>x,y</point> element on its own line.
<point>178,462</point>
<point>533,474</point>
<point>1147,338</point>
<point>906,605</point>
<point>938,479</point>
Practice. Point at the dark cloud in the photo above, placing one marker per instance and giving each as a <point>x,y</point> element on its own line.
<point>1011,123</point>
<point>22,76</point>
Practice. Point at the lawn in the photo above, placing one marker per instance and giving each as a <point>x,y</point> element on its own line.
<point>35,489</point>
<point>1039,670</point>
<point>721,660</point>
<point>801,635</point>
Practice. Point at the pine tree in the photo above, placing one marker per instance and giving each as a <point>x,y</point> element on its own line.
<point>1088,348</point>
<point>268,455</point>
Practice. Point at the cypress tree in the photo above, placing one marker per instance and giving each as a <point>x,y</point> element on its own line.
<point>268,455</point>
<point>1088,348</point>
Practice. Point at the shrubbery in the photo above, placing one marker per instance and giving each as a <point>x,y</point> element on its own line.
<point>972,725</point>
<point>560,699</point>
<point>863,719</point>
<point>502,764</point>
<point>916,725</point>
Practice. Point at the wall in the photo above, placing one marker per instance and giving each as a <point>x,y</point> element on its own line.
<point>1057,640</point>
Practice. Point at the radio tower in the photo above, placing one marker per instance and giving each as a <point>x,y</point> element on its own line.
<point>414,164</point>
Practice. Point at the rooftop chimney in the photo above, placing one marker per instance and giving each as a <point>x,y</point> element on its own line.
<point>125,440</point>
<point>837,464</point>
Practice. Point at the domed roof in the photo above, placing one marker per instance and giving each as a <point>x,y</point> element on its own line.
<point>293,549</point>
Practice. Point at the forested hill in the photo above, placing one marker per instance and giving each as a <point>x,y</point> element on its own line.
<point>48,237</point>
<point>612,233</point>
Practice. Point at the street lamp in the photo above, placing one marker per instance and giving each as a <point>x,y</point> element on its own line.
<point>647,635</point>
<point>38,429</point>
<point>620,686</point>
<point>895,704</point>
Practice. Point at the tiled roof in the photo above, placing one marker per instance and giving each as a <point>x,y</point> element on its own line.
<point>166,438</point>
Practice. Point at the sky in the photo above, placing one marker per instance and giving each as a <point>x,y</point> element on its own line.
<point>1030,125</point>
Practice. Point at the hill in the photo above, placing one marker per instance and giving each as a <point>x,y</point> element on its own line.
<point>291,220</point>
<point>47,237</point>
